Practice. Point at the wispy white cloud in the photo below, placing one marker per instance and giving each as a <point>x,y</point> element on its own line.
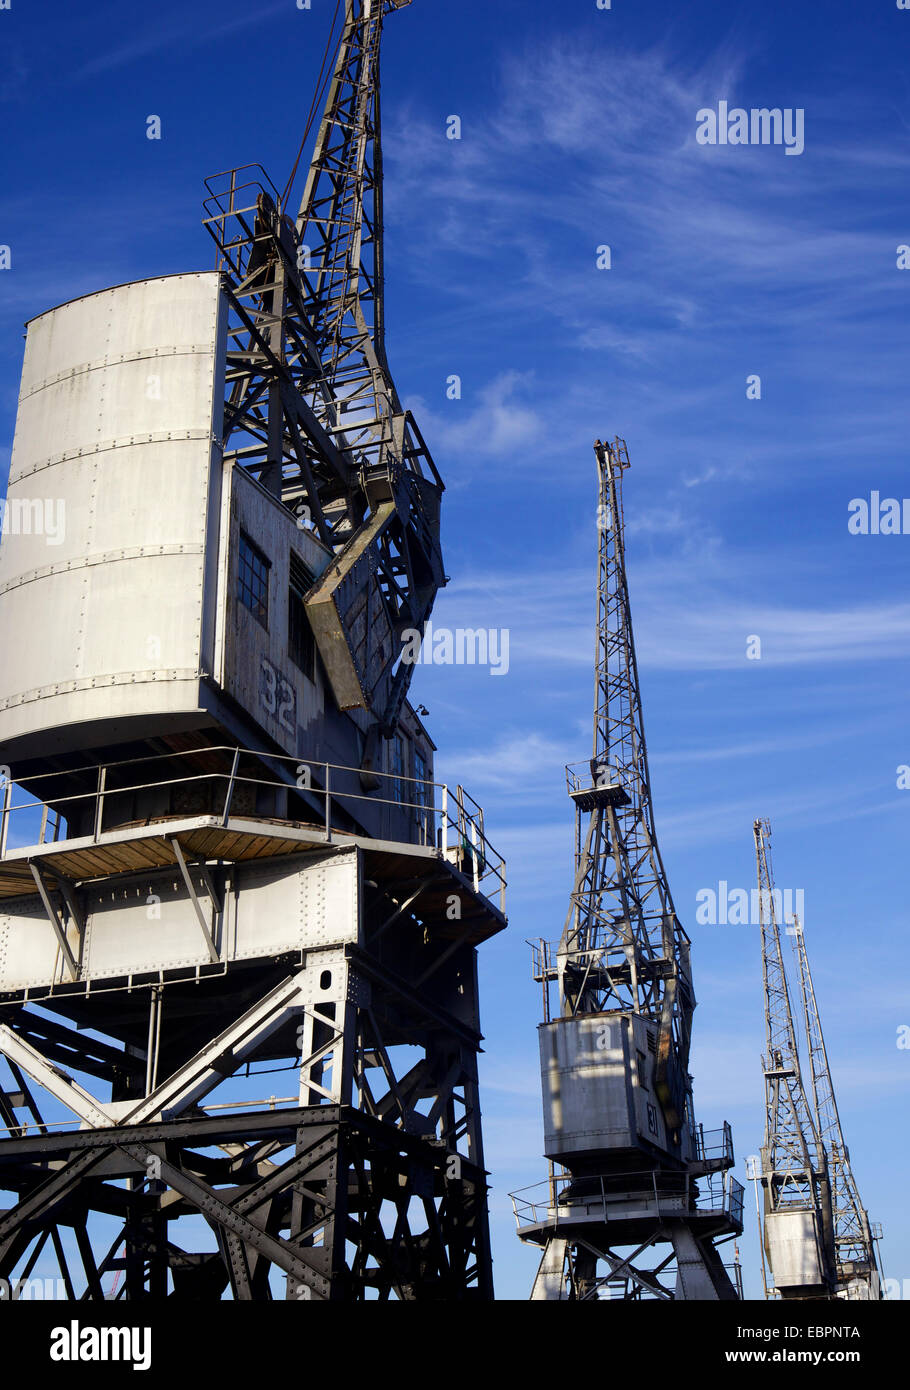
<point>630,174</point>
<point>686,619</point>
<point>813,737</point>
<point>503,421</point>
<point>512,763</point>
<point>189,33</point>
<point>714,636</point>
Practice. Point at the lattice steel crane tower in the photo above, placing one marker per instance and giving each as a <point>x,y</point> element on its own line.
<point>223,853</point>
<point>817,1234</point>
<point>798,1230</point>
<point>856,1258</point>
<point>639,1197</point>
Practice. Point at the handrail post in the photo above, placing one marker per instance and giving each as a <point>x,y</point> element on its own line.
<point>7,798</point>
<point>328,804</point>
<point>99,805</point>
<point>502,887</point>
<point>230,791</point>
<point>475,856</point>
<point>445,820</point>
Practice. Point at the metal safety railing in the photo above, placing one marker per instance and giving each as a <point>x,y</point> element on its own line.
<point>735,1271</point>
<point>590,773</point>
<point>566,1200</point>
<point>714,1147</point>
<point>235,195</point>
<point>430,814</point>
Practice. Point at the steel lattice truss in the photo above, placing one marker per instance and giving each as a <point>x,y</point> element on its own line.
<point>623,946</point>
<point>371,1185</point>
<point>794,1163</point>
<point>853,1244</point>
<point>311,409</point>
<point>621,1199</point>
<point>589,1269</point>
<point>293,1214</point>
<point>340,224</point>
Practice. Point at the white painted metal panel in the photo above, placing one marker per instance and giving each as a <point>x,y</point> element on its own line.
<point>792,1247</point>
<point>164,310</point>
<point>586,1089</point>
<point>599,1086</point>
<point>275,909</point>
<point>265,912</point>
<point>138,928</point>
<point>148,923</point>
<point>114,502</point>
<point>29,952</point>
<point>328,903</point>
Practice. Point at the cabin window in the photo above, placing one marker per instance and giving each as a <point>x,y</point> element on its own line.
<point>253,580</point>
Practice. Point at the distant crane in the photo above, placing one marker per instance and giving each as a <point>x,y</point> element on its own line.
<point>617,1095</point>
<point>856,1262</point>
<point>798,1219</point>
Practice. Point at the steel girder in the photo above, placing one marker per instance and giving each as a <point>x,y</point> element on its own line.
<point>248,1211</point>
<point>587,1269</point>
<point>369,1184</point>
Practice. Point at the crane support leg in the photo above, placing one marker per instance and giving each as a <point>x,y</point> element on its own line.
<point>550,1283</point>
<point>699,1271</point>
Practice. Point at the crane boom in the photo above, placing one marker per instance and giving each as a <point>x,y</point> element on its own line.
<point>311,408</point>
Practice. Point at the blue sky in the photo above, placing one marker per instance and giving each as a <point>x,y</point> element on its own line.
<point>578,130</point>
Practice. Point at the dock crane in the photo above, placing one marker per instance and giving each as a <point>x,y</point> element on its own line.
<point>817,1236</point>
<point>640,1199</point>
<point>856,1263</point>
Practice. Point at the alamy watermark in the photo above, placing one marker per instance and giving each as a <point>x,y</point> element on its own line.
<point>748,907</point>
<point>461,646</point>
<point>30,1290</point>
<point>880,516</point>
<point>761,125</point>
<point>34,516</point>
<point>77,1343</point>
